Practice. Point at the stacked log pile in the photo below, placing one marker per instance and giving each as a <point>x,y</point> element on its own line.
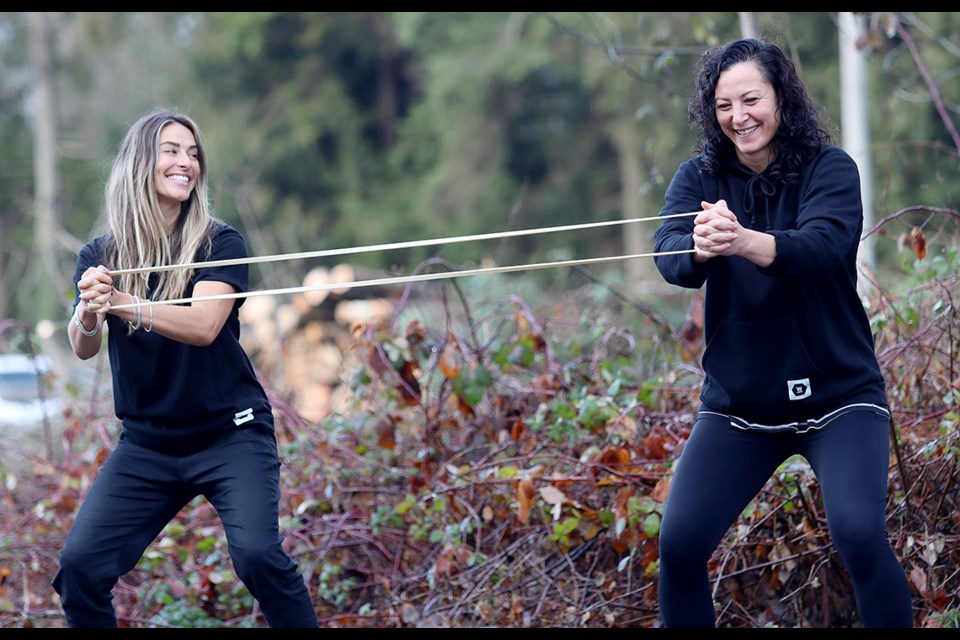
<point>301,343</point>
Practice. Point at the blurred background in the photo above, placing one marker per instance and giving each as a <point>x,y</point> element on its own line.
<point>351,129</point>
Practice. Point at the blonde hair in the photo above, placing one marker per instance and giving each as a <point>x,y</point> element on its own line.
<point>137,236</point>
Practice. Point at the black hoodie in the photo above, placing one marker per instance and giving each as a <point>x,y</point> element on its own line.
<point>790,342</point>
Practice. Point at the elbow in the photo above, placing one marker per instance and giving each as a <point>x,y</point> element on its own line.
<point>206,336</point>
<point>85,354</point>
<point>204,341</point>
<point>83,351</point>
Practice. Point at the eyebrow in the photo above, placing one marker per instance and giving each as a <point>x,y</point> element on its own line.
<point>759,92</point>
<point>177,144</point>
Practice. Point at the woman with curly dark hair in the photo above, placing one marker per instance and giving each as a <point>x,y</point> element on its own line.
<point>789,365</point>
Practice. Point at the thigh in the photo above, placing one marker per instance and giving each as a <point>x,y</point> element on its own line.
<point>720,469</point>
<point>240,476</point>
<point>133,497</point>
<point>851,458</point>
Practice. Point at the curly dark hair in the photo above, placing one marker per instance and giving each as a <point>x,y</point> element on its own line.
<point>801,134</point>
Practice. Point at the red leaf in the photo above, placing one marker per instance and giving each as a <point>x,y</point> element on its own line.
<point>919,242</point>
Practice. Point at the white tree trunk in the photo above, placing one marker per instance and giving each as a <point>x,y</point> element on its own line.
<point>854,126</point>
<point>44,167</point>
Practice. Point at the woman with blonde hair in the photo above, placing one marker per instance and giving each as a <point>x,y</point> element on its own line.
<point>195,420</point>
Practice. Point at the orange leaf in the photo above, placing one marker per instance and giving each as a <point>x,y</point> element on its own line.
<point>691,332</point>
<point>660,491</point>
<point>919,242</point>
<point>620,502</point>
<point>451,360</point>
<point>526,492</point>
<point>615,457</point>
<point>654,447</point>
<point>385,433</point>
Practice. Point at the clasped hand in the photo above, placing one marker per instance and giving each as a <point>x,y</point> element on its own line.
<point>716,230</point>
<point>96,290</point>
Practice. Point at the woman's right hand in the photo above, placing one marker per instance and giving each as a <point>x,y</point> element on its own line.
<point>96,290</point>
<point>715,230</point>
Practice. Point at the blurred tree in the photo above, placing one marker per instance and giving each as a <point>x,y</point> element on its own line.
<point>337,129</point>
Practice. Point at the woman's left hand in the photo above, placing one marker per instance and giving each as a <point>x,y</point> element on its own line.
<point>715,230</point>
<point>96,290</point>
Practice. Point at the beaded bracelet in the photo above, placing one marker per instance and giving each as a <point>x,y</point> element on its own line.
<point>84,330</point>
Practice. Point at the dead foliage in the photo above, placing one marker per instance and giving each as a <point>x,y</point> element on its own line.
<point>512,474</point>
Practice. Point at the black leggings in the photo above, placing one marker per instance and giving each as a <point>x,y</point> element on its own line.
<point>721,469</point>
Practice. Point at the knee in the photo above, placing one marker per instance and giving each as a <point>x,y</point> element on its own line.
<point>257,560</point>
<point>858,543</point>
<point>77,559</point>
<point>683,542</point>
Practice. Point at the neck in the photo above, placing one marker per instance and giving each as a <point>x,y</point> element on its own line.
<point>170,217</point>
<point>758,162</point>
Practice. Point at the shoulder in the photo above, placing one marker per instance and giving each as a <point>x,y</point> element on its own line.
<point>690,169</point>
<point>95,250</point>
<point>220,229</point>
<point>226,242</point>
<point>223,233</point>
<point>833,164</point>
<point>832,155</point>
<point>696,163</point>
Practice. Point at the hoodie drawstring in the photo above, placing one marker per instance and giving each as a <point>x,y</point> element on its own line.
<point>766,187</point>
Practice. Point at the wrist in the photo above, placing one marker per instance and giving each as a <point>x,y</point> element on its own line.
<point>80,322</point>
<point>137,315</point>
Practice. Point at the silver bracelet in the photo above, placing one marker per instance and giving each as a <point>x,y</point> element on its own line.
<point>136,326</point>
<point>83,330</point>
<point>150,328</point>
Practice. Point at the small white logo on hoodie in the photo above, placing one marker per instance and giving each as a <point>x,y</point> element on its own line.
<point>798,389</point>
<point>244,416</point>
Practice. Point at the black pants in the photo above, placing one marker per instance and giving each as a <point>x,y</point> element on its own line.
<point>721,469</point>
<point>138,491</point>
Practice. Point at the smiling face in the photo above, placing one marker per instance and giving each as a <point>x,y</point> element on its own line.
<point>178,166</point>
<point>746,108</point>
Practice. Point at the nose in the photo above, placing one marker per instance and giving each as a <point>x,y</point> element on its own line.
<point>739,114</point>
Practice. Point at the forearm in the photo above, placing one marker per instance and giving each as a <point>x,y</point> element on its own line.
<point>85,332</point>
<point>197,324</point>
<point>757,247</point>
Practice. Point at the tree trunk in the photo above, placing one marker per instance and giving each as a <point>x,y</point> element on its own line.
<point>855,126</point>
<point>637,237</point>
<point>386,79</point>
<point>44,167</point>
<point>748,24</point>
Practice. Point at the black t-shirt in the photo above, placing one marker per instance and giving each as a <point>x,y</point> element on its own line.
<point>171,395</point>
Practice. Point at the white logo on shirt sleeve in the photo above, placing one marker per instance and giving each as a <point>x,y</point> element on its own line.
<point>799,389</point>
<point>244,416</point>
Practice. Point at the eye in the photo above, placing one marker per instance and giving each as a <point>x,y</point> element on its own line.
<point>723,107</point>
<point>752,100</point>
